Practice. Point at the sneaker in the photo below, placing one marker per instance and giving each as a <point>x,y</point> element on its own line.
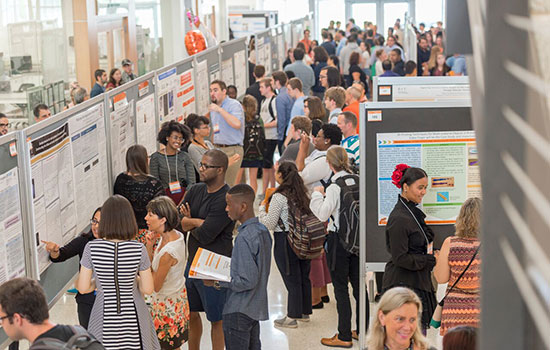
<point>354,335</point>
<point>318,306</point>
<point>325,299</point>
<point>286,322</point>
<point>336,343</point>
<point>305,318</point>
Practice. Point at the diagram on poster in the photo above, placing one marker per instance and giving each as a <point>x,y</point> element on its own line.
<point>203,92</point>
<point>12,254</point>
<point>145,123</point>
<point>122,136</point>
<point>89,152</point>
<point>53,190</point>
<point>239,58</point>
<point>450,160</point>
<point>227,71</point>
<point>167,84</point>
<point>185,97</point>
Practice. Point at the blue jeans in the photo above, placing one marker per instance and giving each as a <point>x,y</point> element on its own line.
<point>241,332</point>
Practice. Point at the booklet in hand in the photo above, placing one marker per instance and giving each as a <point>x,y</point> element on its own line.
<point>208,265</point>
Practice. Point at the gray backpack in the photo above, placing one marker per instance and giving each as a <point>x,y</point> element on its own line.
<point>81,340</point>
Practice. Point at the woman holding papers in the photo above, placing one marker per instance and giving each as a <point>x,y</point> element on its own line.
<point>169,307</point>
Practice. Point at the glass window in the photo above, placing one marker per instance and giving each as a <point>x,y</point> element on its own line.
<point>112,7</point>
<point>392,12</point>
<point>429,12</point>
<point>149,36</point>
<point>364,12</point>
<point>332,10</point>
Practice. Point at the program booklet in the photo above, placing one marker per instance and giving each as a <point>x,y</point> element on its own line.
<point>208,265</point>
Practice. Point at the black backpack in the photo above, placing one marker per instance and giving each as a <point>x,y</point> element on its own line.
<point>348,230</point>
<point>254,138</point>
<point>81,340</point>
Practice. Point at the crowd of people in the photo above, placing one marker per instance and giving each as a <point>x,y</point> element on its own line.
<point>134,288</point>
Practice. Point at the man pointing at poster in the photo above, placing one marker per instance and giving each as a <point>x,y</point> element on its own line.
<point>227,117</point>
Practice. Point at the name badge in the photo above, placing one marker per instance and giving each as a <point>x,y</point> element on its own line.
<point>216,128</point>
<point>175,187</point>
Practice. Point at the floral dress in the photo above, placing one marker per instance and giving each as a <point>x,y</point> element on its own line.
<point>169,306</point>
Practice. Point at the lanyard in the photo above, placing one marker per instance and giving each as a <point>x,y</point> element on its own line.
<point>414,217</point>
<point>168,166</point>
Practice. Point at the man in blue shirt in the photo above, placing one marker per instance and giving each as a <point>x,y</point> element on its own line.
<point>294,87</point>
<point>328,44</point>
<point>100,80</point>
<point>386,65</point>
<point>246,302</point>
<point>301,70</point>
<point>283,104</point>
<point>227,120</point>
<point>341,39</point>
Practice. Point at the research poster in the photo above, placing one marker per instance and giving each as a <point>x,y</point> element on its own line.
<point>185,95</point>
<point>122,136</point>
<point>89,153</point>
<point>203,90</point>
<point>239,58</point>
<point>145,123</point>
<point>167,84</point>
<point>12,253</point>
<point>281,49</point>
<point>449,158</point>
<point>431,93</point>
<point>53,190</point>
<point>214,71</point>
<point>267,56</point>
<point>260,50</point>
<point>227,71</point>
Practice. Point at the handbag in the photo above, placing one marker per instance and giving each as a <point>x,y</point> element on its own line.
<point>435,322</point>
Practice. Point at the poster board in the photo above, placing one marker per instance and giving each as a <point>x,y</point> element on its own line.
<point>69,174</point>
<point>176,92</point>
<point>263,50</point>
<point>274,49</point>
<point>421,89</point>
<point>235,51</point>
<point>281,47</point>
<point>430,128</point>
<point>207,69</point>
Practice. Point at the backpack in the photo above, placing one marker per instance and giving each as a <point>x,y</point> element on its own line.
<point>306,234</point>
<point>254,140</point>
<point>270,109</point>
<point>348,230</point>
<point>81,340</point>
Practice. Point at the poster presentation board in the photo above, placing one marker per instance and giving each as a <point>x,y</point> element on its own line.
<point>235,51</point>
<point>12,251</point>
<point>176,92</point>
<point>422,89</point>
<point>435,136</point>
<point>281,48</point>
<point>207,69</point>
<point>263,50</point>
<point>246,23</point>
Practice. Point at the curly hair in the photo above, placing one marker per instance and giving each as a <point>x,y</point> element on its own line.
<point>293,187</point>
<point>333,133</point>
<point>167,128</point>
<point>468,220</point>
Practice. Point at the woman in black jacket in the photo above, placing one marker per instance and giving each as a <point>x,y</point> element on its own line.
<point>84,302</point>
<point>409,241</point>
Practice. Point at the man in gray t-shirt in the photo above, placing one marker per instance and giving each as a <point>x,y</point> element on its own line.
<point>299,124</point>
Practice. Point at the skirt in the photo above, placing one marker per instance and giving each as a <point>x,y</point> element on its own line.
<point>171,319</point>
<point>429,303</point>
<point>460,309</point>
<point>319,273</point>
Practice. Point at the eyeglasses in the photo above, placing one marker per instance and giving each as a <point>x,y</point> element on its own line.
<point>207,166</point>
<point>4,317</point>
<point>206,126</point>
<point>177,138</point>
<point>94,222</point>
<point>2,125</point>
<point>322,76</point>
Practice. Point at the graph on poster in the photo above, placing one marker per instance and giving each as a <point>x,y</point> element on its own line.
<point>450,160</point>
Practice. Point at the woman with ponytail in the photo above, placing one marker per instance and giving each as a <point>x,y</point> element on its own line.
<point>409,241</point>
<point>344,265</point>
<point>274,213</point>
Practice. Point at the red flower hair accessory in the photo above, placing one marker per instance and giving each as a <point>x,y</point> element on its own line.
<point>398,174</point>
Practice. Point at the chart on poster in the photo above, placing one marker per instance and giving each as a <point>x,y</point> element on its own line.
<point>12,254</point>
<point>450,160</point>
<point>185,96</point>
<point>145,123</point>
<point>90,169</point>
<point>122,136</point>
<point>167,83</point>
<point>203,97</point>
<point>53,190</point>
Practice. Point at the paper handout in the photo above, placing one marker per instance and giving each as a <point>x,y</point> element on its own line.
<point>208,265</point>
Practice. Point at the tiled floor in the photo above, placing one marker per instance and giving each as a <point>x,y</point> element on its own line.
<point>306,336</point>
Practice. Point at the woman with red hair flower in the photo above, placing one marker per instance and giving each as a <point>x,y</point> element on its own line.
<point>409,241</point>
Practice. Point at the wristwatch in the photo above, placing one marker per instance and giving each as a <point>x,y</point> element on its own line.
<point>217,285</point>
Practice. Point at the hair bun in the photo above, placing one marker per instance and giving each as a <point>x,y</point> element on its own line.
<point>397,174</point>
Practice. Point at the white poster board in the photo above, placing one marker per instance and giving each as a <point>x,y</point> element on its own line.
<point>202,97</point>
<point>145,123</point>
<point>239,58</point>
<point>122,136</point>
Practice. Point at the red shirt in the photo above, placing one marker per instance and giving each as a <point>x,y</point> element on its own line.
<point>354,108</point>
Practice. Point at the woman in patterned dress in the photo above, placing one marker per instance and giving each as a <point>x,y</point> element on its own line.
<point>461,306</point>
<point>120,269</point>
<point>169,306</point>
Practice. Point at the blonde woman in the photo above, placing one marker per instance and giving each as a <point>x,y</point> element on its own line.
<point>343,265</point>
<point>432,62</point>
<point>397,322</point>
<point>461,306</point>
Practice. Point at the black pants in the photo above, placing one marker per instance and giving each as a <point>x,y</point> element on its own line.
<point>84,311</point>
<point>344,271</point>
<point>295,273</point>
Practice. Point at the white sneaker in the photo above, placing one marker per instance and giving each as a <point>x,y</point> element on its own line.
<point>286,322</point>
